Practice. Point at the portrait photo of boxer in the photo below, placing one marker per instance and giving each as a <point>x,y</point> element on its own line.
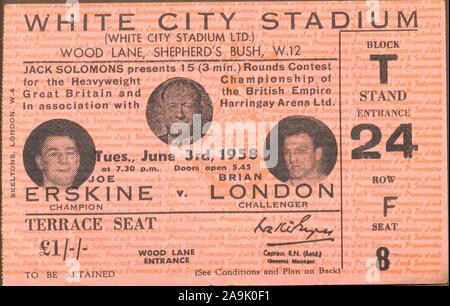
<point>177,107</point>
<point>307,150</point>
<point>59,153</point>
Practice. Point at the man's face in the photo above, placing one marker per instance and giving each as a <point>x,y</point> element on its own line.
<point>179,107</point>
<point>59,161</point>
<point>300,156</point>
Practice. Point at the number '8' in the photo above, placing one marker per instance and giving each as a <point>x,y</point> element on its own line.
<point>383,262</point>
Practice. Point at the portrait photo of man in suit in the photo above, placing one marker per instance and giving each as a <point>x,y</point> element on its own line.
<point>176,107</point>
<point>59,153</point>
<point>303,157</point>
<point>307,150</point>
<point>58,161</point>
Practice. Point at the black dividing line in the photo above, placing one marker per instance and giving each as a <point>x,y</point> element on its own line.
<point>340,153</point>
<point>182,212</point>
<point>298,242</point>
<point>385,30</point>
<point>155,1</point>
<point>184,61</point>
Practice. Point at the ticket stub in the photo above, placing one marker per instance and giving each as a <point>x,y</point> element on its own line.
<point>224,143</point>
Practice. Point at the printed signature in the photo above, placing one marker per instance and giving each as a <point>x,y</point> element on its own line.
<point>313,234</point>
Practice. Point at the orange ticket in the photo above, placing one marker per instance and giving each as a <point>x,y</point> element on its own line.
<point>224,143</point>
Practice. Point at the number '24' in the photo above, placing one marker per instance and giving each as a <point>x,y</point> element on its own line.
<point>407,146</point>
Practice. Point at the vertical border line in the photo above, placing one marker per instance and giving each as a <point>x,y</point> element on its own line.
<point>340,154</point>
<point>2,21</point>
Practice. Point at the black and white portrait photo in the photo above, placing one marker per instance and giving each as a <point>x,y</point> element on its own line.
<point>59,153</point>
<point>179,109</point>
<point>307,150</point>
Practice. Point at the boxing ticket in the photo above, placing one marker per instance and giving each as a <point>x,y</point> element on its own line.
<point>224,143</point>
